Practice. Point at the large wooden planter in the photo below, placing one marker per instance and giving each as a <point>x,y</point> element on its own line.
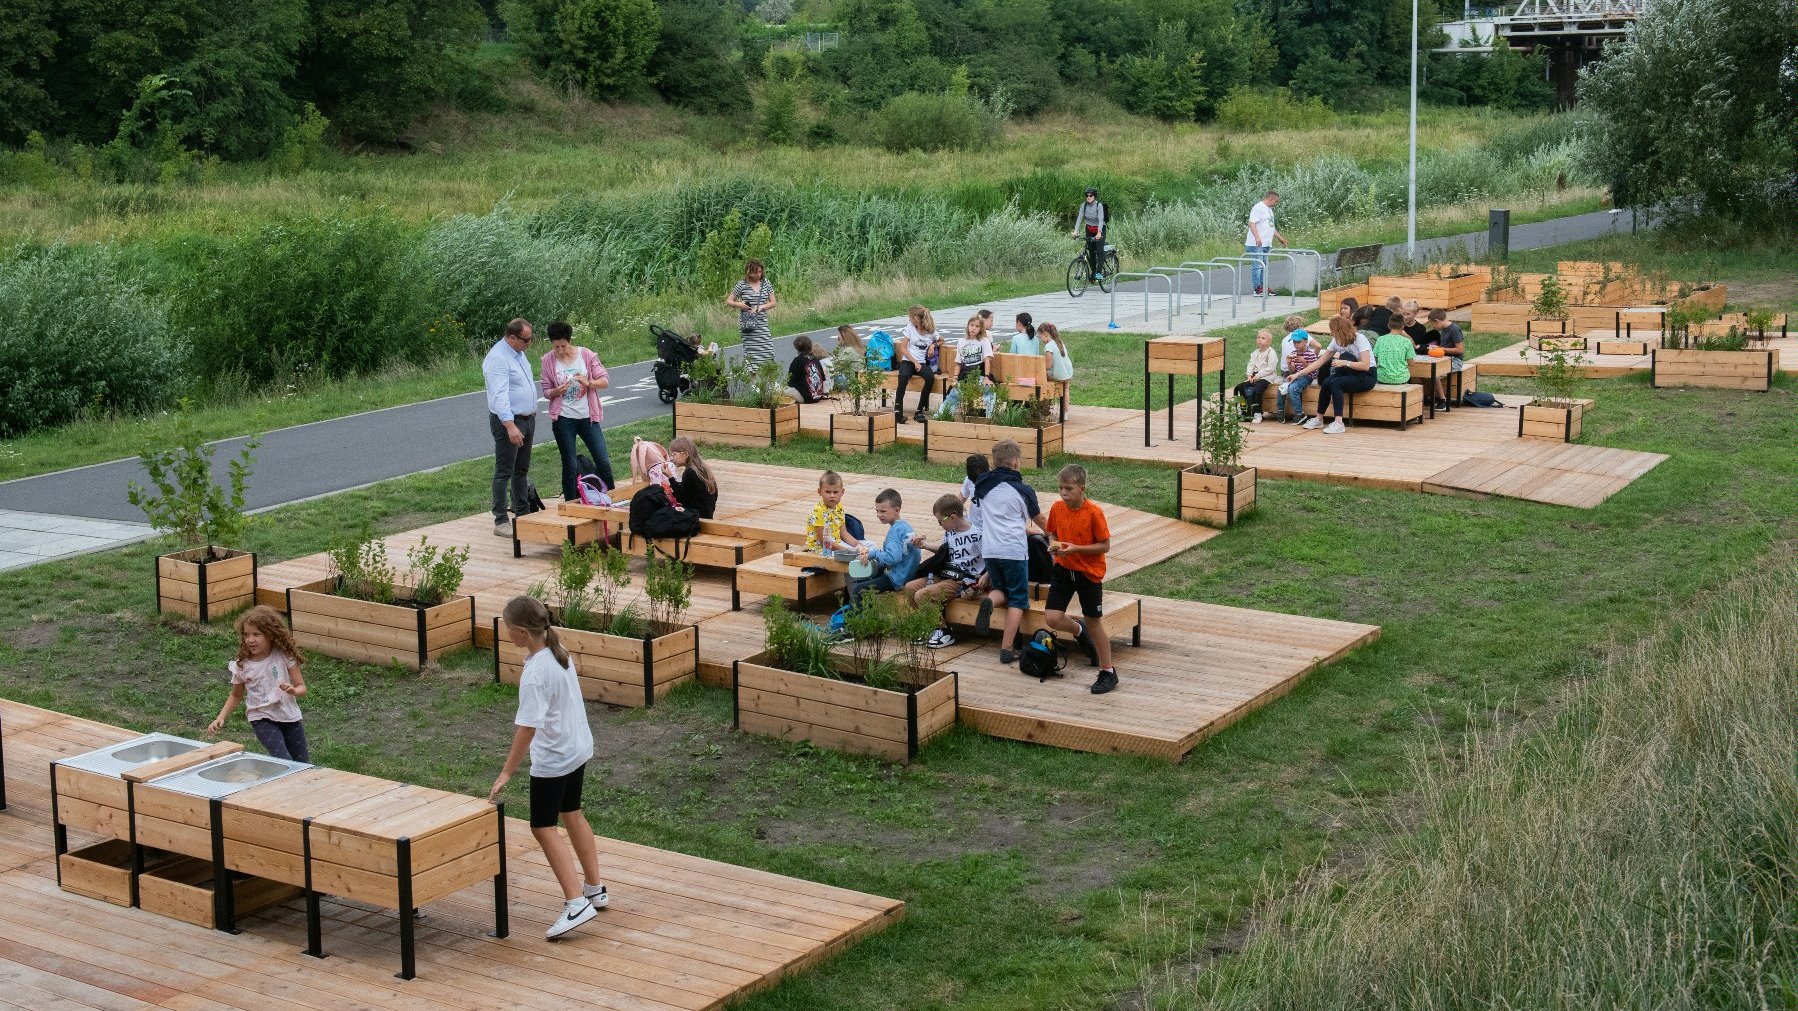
<point>204,582</point>
<point>368,632</point>
<point>845,715</point>
<point>1561,424</point>
<point>731,425</point>
<point>615,669</point>
<point>1215,499</point>
<point>1729,370</point>
<point>1330,298</point>
<point>954,441</point>
<point>1708,296</point>
<point>863,433</point>
<point>1430,290</point>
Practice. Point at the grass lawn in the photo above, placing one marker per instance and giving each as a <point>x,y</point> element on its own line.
<point>1040,878</point>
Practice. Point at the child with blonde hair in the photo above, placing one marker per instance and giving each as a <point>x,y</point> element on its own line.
<point>266,678</point>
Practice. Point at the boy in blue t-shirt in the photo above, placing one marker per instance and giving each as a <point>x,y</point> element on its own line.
<point>897,555</point>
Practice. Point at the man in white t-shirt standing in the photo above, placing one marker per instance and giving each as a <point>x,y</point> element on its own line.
<point>1261,236</point>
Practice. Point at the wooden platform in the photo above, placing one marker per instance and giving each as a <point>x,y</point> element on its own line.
<point>1543,471</point>
<point>1520,360</point>
<point>681,932</point>
<point>1375,455</point>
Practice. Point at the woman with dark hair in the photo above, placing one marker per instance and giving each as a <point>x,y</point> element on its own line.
<point>752,298</point>
<point>571,380</point>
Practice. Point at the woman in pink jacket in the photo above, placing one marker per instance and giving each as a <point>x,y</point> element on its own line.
<point>572,378</point>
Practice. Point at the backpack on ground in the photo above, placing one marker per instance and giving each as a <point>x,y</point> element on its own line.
<point>880,350</point>
<point>1041,657</point>
<point>533,502</point>
<point>1479,398</point>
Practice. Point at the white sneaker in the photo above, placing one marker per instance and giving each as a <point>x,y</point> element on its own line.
<point>1314,423</point>
<point>572,917</point>
<point>940,638</point>
<point>1256,420</point>
<point>596,894</point>
<point>1335,428</point>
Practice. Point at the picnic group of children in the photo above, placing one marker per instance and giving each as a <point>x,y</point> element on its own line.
<point>1368,345</point>
<point>984,553</point>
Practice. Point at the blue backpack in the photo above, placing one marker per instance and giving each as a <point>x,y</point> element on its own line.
<point>880,350</point>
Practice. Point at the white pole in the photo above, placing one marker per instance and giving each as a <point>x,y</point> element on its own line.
<point>1411,193</point>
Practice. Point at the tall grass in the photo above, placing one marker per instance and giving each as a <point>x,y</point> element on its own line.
<point>1641,851</point>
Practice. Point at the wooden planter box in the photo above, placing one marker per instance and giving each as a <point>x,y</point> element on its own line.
<point>368,632</point>
<point>1330,298</point>
<point>189,583</point>
<point>101,871</point>
<point>181,889</point>
<point>1709,296</point>
<point>614,669</point>
<point>1215,499</point>
<point>1622,347</point>
<point>863,433</point>
<point>1430,290</point>
<point>1730,370</point>
<point>1616,318</point>
<point>845,715</point>
<point>953,441</point>
<point>730,425</point>
<point>1561,424</point>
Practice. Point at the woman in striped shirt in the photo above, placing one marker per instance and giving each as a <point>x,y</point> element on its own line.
<point>752,298</point>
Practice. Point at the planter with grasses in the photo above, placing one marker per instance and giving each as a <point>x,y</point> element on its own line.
<point>972,422</point>
<point>838,692</point>
<point>863,428</point>
<point>1218,489</point>
<point>1557,410</point>
<point>732,404</point>
<point>363,612</point>
<point>1728,361</point>
<point>201,579</point>
<point>622,655</point>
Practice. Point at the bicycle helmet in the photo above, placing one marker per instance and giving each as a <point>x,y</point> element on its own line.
<point>1092,191</point>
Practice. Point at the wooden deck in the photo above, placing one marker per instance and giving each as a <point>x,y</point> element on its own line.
<point>1554,472</point>
<point>1421,458</point>
<point>1520,360</point>
<point>681,932</point>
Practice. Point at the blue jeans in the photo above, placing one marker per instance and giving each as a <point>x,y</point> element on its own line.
<point>567,431</point>
<point>1258,269</point>
<point>1293,400</point>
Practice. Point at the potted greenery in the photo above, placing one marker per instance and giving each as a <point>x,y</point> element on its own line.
<point>1217,489</point>
<point>1716,357</point>
<point>365,610</point>
<point>736,404</point>
<point>202,577</point>
<point>1556,411</point>
<point>1546,330</point>
<point>622,656</point>
<point>872,691</point>
<point>863,428</point>
<point>972,418</point>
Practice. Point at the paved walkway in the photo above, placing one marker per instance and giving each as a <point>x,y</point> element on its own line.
<point>326,457</point>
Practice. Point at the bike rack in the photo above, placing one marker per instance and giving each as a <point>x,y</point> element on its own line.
<point>1233,281</point>
<point>1231,267</point>
<point>1317,277</point>
<point>1146,278</point>
<point>1292,256</point>
<point>1178,274</point>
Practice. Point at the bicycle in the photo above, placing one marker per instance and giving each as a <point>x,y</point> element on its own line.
<point>1080,272</point>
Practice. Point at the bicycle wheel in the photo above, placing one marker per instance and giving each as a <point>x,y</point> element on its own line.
<point>1108,281</point>
<point>1079,276</point>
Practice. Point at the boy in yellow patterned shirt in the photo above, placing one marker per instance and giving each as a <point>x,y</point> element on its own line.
<point>824,526</point>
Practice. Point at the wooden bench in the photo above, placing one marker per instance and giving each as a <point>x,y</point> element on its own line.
<point>1352,258</point>
<point>1026,377</point>
<point>1399,404</point>
<point>773,576</point>
<point>1119,609</point>
<point>549,526</point>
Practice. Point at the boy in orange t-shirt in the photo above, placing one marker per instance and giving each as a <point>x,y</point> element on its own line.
<point>1079,538</point>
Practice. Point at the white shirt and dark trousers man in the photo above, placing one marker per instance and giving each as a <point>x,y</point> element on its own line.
<point>512,417</point>
<point>1260,238</point>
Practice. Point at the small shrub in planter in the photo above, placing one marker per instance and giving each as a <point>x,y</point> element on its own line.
<point>202,578</point>
<point>862,428</point>
<point>734,404</point>
<point>972,419</point>
<point>1217,489</point>
<point>879,694</point>
<point>365,611</point>
<point>621,655</point>
<point>1557,410</point>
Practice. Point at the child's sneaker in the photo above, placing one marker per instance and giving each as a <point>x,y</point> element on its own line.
<point>1007,656</point>
<point>1335,428</point>
<point>1107,680</point>
<point>1256,420</point>
<point>940,638</point>
<point>1312,424</point>
<point>574,914</point>
<point>1086,644</point>
<point>983,619</point>
<point>596,894</point>
<point>1298,419</point>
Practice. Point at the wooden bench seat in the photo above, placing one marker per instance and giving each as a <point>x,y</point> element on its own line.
<point>1400,404</point>
<point>1121,611</point>
<point>711,551</point>
<point>551,527</point>
<point>772,576</point>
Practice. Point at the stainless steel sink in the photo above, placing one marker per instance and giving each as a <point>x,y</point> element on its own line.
<point>118,759</point>
<point>224,776</point>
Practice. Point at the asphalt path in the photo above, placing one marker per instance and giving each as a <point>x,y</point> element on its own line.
<point>325,457</point>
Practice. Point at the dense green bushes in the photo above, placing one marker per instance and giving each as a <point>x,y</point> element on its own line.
<point>943,121</point>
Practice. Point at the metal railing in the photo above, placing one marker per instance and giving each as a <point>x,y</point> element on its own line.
<point>1146,278</point>
<point>1235,281</point>
<point>1179,276</point>
<point>1231,267</point>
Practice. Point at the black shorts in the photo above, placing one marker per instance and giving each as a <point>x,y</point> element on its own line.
<point>554,796</point>
<point>1066,584</point>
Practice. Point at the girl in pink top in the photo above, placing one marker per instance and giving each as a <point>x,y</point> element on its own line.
<point>266,678</point>
<point>571,379</point>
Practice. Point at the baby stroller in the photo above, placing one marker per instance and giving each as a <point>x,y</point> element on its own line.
<point>673,354</point>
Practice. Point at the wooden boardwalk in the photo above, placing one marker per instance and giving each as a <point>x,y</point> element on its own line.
<point>1520,360</point>
<point>681,932</point>
<point>1422,458</point>
<point>1543,471</point>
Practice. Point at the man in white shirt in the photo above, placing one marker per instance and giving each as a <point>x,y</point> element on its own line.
<point>512,417</point>
<point>1260,238</point>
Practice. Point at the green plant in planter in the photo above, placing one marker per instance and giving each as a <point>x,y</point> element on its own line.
<point>187,506</point>
<point>668,583</point>
<point>710,378</point>
<point>1503,280</point>
<point>967,401</point>
<point>361,570</point>
<point>886,636</point>
<point>584,589</point>
<point>1551,301</point>
<point>855,380</point>
<point>1222,438</point>
<point>763,386</point>
<point>435,574</point>
<point>796,644</point>
<point>1757,322</point>
<point>1559,377</point>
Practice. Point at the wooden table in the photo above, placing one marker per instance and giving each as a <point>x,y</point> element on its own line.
<point>1428,370</point>
<point>1181,355</point>
<point>403,848</point>
<point>813,560</point>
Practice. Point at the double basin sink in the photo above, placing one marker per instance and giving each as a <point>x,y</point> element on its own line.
<point>217,778</point>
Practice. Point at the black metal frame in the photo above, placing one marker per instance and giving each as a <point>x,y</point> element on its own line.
<point>1198,438</point>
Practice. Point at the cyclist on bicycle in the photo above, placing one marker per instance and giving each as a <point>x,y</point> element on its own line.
<point>1089,223</point>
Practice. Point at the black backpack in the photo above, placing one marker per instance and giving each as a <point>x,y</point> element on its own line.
<point>1041,657</point>
<point>654,518</point>
<point>1042,564</point>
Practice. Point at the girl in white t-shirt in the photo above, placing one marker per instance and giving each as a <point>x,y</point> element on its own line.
<point>266,678</point>
<point>552,728</point>
<point>919,343</point>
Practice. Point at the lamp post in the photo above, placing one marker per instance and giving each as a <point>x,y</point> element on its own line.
<point>1411,192</point>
